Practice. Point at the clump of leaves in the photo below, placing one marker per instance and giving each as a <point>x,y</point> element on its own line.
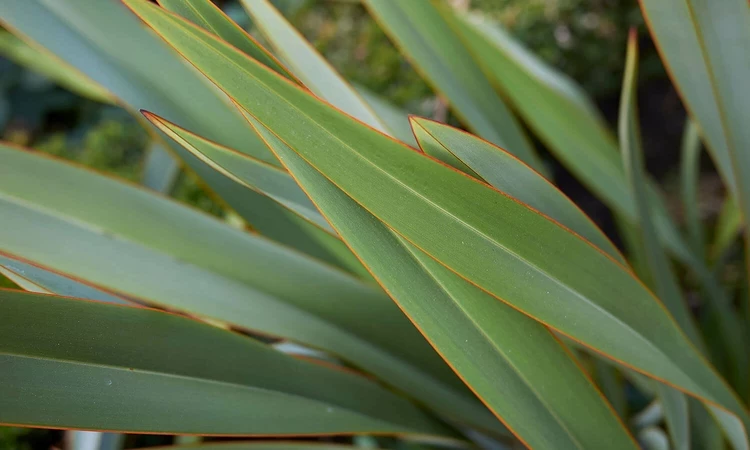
<point>409,279</point>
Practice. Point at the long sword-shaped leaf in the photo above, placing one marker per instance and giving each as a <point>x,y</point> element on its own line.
<point>665,281</point>
<point>553,106</point>
<point>690,158</point>
<point>491,240</point>
<point>728,228</point>
<point>673,402</point>
<point>228,276</point>
<point>308,65</point>
<point>208,16</point>
<point>676,414</point>
<point>566,120</point>
<point>711,76</point>
<point>484,340</point>
<point>253,173</point>
<point>510,175</point>
<point>78,364</point>
<point>49,65</point>
<point>34,278</point>
<point>107,44</point>
<point>420,31</point>
<point>395,118</point>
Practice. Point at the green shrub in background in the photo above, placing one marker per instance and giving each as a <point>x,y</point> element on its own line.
<point>438,296</point>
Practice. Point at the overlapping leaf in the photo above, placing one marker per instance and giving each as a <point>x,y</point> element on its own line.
<point>253,173</point>
<point>561,114</point>
<point>489,239</point>
<point>483,339</point>
<point>103,41</point>
<point>16,50</point>
<point>34,278</point>
<point>307,64</point>
<point>437,53</point>
<point>711,76</point>
<point>131,241</point>
<point>135,366</point>
<point>510,175</point>
<point>209,17</point>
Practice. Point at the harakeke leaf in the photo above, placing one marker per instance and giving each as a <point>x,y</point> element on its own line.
<point>308,65</point>
<point>489,239</point>
<point>107,44</point>
<point>510,175</point>
<point>484,340</point>
<point>436,51</point>
<point>34,278</point>
<point>711,76</point>
<point>50,66</point>
<point>209,17</point>
<point>128,240</point>
<point>77,364</point>
<point>264,178</point>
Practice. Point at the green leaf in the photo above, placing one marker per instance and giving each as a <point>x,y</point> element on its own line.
<point>159,172</point>
<point>394,118</point>
<point>49,65</point>
<point>131,241</point>
<point>653,438</point>
<point>728,228</point>
<point>484,340</point>
<point>556,109</point>
<point>676,414</point>
<point>689,182</point>
<point>480,234</point>
<point>565,119</point>
<point>711,78</point>
<point>665,282</point>
<point>435,50</point>
<point>209,17</point>
<point>106,43</point>
<point>255,174</point>
<point>509,175</point>
<point>169,374</point>
<point>34,278</point>
<point>308,65</point>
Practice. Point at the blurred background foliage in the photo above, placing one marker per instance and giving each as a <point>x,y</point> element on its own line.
<point>584,38</point>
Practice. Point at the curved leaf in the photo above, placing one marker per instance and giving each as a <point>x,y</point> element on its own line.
<point>49,65</point>
<point>510,175</point>
<point>135,369</point>
<point>145,246</point>
<point>690,156</point>
<point>484,340</point>
<point>563,116</point>
<point>253,173</point>
<point>209,17</point>
<point>311,68</point>
<point>711,77</point>
<point>106,43</point>
<point>665,282</point>
<point>34,278</point>
<point>433,47</point>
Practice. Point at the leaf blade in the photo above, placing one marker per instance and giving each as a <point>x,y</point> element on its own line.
<point>423,35</point>
<point>118,356</point>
